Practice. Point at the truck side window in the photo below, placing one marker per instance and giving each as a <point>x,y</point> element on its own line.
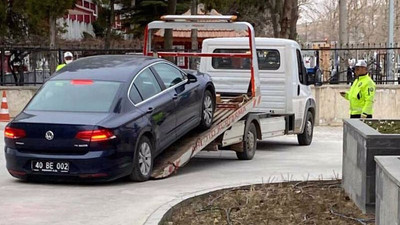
<point>268,59</point>
<point>301,68</point>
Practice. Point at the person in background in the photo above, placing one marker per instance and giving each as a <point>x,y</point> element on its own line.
<point>350,71</point>
<point>362,92</point>
<point>68,58</point>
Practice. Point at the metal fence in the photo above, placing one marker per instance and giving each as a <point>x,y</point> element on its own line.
<point>23,66</point>
<point>336,65</point>
<point>31,65</point>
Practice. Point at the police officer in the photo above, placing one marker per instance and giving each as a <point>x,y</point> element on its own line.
<point>362,92</point>
<point>68,58</point>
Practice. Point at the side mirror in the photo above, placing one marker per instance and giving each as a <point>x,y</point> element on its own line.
<point>314,77</point>
<point>191,78</point>
<point>310,78</point>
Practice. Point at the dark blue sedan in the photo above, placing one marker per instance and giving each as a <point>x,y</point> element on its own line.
<point>106,117</point>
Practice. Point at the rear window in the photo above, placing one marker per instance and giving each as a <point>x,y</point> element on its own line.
<point>75,96</point>
<point>268,59</point>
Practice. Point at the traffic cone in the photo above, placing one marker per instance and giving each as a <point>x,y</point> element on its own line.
<point>4,115</point>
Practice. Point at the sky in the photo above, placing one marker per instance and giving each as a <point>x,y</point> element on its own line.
<point>314,4</point>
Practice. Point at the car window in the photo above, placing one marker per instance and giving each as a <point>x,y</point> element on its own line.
<point>301,68</point>
<point>146,84</point>
<point>75,96</point>
<point>168,74</point>
<point>268,59</point>
<point>134,95</point>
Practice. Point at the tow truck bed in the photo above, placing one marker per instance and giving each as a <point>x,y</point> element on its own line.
<point>228,111</point>
<point>192,143</point>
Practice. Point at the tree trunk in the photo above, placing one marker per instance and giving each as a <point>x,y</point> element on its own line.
<point>168,39</point>
<point>110,22</point>
<point>293,20</point>
<point>275,7</point>
<point>285,19</point>
<point>193,35</point>
<point>53,33</point>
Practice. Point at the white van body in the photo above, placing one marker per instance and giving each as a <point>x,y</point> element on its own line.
<point>282,92</point>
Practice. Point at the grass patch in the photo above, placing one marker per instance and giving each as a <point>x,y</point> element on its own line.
<point>385,126</point>
<point>313,202</point>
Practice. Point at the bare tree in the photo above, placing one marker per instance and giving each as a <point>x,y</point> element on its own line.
<point>168,39</point>
<point>367,21</point>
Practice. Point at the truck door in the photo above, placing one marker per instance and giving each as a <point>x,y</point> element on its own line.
<point>301,93</point>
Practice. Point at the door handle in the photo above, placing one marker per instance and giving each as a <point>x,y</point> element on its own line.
<point>150,110</point>
<point>175,96</point>
<point>298,90</point>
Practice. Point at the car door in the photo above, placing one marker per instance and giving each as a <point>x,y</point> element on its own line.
<point>186,96</point>
<point>149,96</point>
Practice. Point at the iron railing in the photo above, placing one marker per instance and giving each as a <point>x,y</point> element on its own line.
<point>30,65</point>
<point>22,65</point>
<point>334,62</point>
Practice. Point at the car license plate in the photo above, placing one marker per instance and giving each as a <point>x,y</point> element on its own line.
<point>50,166</point>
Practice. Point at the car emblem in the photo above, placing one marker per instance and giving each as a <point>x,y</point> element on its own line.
<point>49,135</point>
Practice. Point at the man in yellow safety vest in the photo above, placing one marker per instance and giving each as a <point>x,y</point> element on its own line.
<point>362,92</point>
<point>68,58</point>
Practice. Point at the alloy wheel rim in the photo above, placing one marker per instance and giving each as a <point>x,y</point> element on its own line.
<point>145,158</point>
<point>208,110</point>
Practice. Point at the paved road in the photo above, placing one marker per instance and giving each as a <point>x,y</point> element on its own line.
<point>123,202</point>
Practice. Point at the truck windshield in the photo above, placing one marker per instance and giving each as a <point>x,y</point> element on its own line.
<point>268,59</point>
<point>75,96</point>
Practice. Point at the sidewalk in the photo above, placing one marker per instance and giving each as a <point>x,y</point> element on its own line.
<point>124,202</point>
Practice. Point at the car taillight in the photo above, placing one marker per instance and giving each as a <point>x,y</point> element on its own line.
<point>82,82</point>
<point>95,135</point>
<point>14,133</point>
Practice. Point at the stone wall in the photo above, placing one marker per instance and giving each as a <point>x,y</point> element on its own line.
<point>361,144</point>
<point>18,97</point>
<point>333,108</point>
<point>387,210</point>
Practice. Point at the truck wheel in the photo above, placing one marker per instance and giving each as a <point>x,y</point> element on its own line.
<point>249,144</point>
<point>207,111</point>
<point>305,138</point>
<point>142,160</point>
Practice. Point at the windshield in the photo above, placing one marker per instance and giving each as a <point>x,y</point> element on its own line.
<point>75,96</point>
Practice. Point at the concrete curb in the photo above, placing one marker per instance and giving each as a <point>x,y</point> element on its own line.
<point>158,215</point>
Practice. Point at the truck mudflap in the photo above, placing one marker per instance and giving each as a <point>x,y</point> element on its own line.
<point>178,154</point>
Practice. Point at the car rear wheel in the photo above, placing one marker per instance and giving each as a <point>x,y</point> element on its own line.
<point>249,144</point>
<point>207,112</point>
<point>142,161</point>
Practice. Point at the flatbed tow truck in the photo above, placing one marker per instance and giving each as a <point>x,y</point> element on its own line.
<point>237,123</point>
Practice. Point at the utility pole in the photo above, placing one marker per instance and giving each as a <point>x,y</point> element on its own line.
<point>195,45</point>
<point>389,67</point>
<point>343,37</point>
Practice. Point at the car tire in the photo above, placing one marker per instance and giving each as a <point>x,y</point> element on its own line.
<point>306,137</point>
<point>207,111</point>
<point>249,144</point>
<point>142,161</point>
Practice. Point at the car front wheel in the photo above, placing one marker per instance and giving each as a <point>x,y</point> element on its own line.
<point>306,137</point>
<point>207,112</point>
<point>142,161</point>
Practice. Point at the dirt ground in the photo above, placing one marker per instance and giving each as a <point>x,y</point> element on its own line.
<point>317,202</point>
<point>385,126</point>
